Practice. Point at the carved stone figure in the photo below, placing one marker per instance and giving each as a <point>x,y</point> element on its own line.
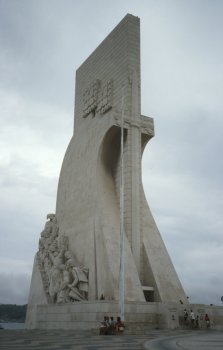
<point>55,275</point>
<point>63,293</point>
<point>63,280</point>
<point>74,292</point>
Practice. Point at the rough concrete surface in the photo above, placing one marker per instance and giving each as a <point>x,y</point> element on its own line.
<point>70,340</point>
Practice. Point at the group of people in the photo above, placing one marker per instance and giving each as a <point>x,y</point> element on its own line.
<point>110,326</point>
<point>194,320</point>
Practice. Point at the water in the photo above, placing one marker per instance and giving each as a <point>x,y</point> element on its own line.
<point>12,325</point>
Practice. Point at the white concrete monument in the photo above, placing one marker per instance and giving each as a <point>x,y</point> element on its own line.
<point>79,250</point>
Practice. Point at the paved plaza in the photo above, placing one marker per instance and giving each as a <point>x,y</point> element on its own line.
<point>71,340</point>
<point>197,340</point>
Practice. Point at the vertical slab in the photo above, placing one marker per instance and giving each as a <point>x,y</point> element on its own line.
<point>88,189</point>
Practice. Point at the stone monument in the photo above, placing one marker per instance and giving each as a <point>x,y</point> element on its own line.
<point>79,248</point>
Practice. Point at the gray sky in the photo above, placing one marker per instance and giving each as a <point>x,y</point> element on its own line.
<point>42,43</point>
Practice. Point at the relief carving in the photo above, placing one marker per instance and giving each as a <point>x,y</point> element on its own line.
<point>98,97</point>
<point>64,280</point>
<point>91,98</point>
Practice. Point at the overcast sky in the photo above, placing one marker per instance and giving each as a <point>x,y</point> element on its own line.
<point>42,43</point>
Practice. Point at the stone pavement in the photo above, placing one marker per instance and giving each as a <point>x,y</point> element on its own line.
<point>193,340</point>
<point>71,340</point>
<point>67,340</point>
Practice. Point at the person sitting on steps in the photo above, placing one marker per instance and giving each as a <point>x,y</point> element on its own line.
<point>119,325</point>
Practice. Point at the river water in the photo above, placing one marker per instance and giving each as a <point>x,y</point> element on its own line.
<point>12,325</point>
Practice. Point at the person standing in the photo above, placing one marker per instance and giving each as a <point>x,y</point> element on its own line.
<point>197,321</point>
<point>207,320</point>
<point>192,318</point>
<point>185,315</point>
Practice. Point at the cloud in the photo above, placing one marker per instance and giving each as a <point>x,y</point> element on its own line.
<point>32,150</point>
<point>14,288</point>
<point>202,273</point>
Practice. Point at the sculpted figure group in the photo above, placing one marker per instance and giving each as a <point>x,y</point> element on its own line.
<point>63,278</point>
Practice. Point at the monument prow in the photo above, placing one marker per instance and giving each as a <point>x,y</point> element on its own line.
<point>79,256</point>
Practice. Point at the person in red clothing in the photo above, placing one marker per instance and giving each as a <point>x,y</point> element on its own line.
<point>119,325</point>
<point>207,320</point>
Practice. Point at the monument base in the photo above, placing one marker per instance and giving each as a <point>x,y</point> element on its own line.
<point>139,316</point>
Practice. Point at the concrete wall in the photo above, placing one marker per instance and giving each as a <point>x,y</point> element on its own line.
<point>36,296</point>
<point>87,315</point>
<point>138,316</point>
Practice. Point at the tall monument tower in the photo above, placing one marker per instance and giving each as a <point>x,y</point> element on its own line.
<point>80,243</point>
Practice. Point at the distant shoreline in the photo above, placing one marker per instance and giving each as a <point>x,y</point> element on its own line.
<point>13,325</point>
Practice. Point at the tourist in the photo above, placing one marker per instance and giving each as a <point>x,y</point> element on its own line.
<point>112,325</point>
<point>192,318</point>
<point>197,321</point>
<point>104,326</point>
<point>119,325</point>
<point>185,315</point>
<point>207,320</point>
